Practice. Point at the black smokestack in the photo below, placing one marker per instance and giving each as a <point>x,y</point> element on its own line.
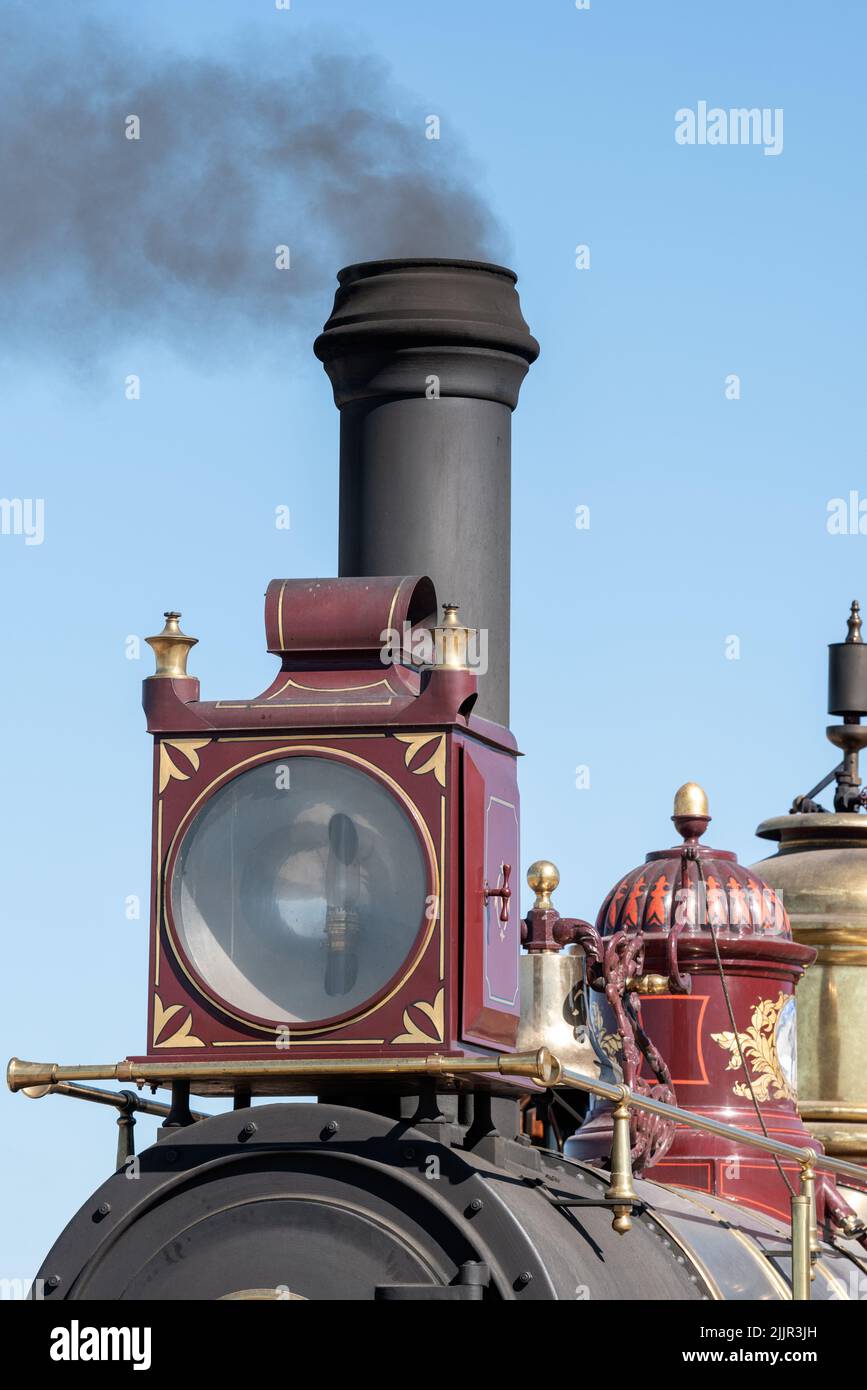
<point>427,358</point>
<point>146,194</point>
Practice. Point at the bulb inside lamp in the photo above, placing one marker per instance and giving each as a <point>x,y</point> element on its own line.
<point>342,888</point>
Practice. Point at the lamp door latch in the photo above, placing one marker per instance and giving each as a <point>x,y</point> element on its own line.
<point>504,893</point>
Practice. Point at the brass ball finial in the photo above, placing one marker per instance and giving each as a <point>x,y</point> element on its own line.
<point>854,623</point>
<point>171,647</point>
<point>543,877</point>
<point>691,811</point>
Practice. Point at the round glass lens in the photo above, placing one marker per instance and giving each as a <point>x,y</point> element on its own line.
<point>299,889</point>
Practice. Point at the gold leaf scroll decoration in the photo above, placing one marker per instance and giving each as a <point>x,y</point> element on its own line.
<point>182,1037</point>
<point>611,1043</point>
<point>759,1047</point>
<point>434,1012</point>
<point>436,763</point>
<point>186,747</point>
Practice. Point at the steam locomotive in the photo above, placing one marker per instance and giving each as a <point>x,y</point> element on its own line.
<point>504,1109</point>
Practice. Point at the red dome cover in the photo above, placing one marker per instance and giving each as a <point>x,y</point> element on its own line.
<point>694,968</point>
<point>693,886</point>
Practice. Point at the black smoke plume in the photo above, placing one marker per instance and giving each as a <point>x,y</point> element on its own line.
<point>173,236</point>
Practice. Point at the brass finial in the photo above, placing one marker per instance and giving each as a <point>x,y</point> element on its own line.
<point>690,800</point>
<point>171,649</point>
<point>451,641</point>
<point>691,813</point>
<point>854,622</point>
<point>543,877</point>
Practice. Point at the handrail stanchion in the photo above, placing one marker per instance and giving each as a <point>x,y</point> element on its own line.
<point>801,1271</point>
<point>126,1131</point>
<point>808,1190</point>
<point>621,1187</point>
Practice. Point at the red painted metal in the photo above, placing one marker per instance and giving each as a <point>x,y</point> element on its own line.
<point>491,1002</point>
<point>668,905</point>
<point>310,619</point>
<point>696,1040</point>
<point>343,683</point>
<point>413,730</point>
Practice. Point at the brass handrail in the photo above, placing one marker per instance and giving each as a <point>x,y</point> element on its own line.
<point>805,1157</point>
<point>541,1067</point>
<point>538,1066</point>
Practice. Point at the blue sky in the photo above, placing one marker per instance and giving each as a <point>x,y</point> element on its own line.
<point>708,515</point>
